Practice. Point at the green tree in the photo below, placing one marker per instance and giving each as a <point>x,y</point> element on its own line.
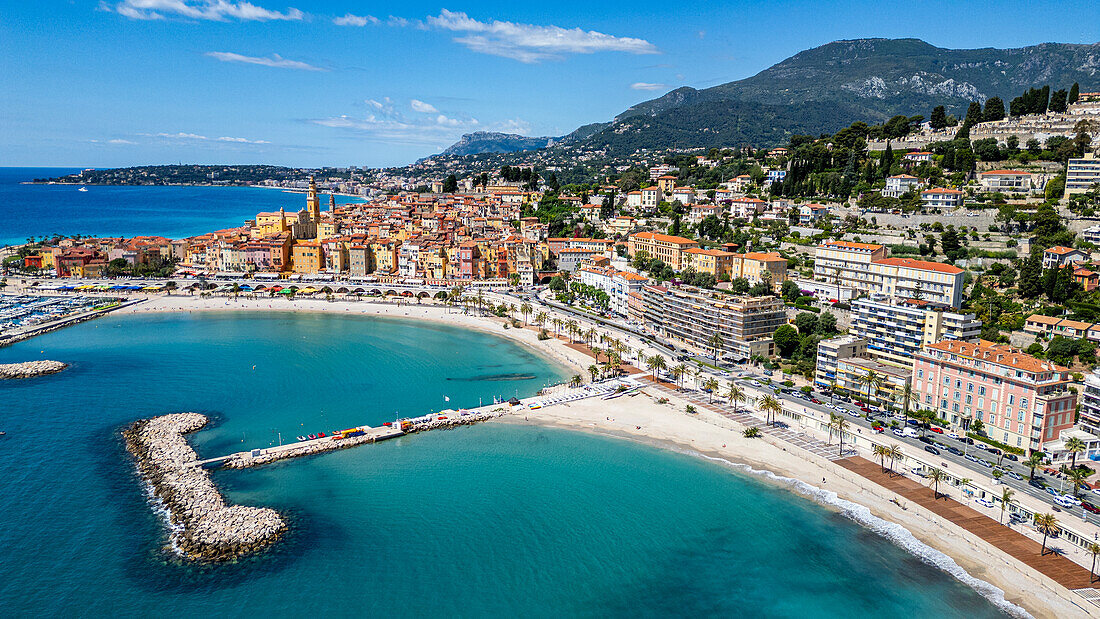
<point>770,406</point>
<point>451,184</point>
<point>735,395</point>
<point>1075,446</point>
<point>1006,500</point>
<point>790,291</point>
<point>939,117</point>
<point>739,285</point>
<point>1033,462</point>
<point>994,109</point>
<point>710,385</point>
<point>1058,101</point>
<point>786,340</point>
<point>1074,93</point>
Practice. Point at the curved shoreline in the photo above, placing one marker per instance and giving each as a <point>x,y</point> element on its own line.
<point>1023,586</point>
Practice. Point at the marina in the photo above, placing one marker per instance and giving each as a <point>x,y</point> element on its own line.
<point>21,311</point>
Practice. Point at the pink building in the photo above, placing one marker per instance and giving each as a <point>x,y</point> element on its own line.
<point>1022,401</point>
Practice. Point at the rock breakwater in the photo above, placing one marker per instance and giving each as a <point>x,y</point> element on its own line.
<point>30,369</point>
<point>206,527</point>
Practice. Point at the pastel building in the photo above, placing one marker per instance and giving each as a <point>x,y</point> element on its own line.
<point>1022,401</point>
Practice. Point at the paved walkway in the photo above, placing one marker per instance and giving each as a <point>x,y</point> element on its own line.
<point>1065,572</point>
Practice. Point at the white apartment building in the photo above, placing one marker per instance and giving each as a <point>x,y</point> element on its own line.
<point>899,185</point>
<point>617,284</point>
<point>1006,180</point>
<point>830,351</point>
<point>896,331</point>
<point>941,199</point>
<point>1082,174</point>
<point>865,267</point>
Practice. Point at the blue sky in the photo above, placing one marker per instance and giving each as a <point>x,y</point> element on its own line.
<point>297,82</point>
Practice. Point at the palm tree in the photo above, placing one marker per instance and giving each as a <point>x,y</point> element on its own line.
<point>678,372</point>
<point>1048,525</point>
<point>896,453</point>
<point>770,405</point>
<point>540,318</point>
<point>736,395</point>
<point>1077,477</point>
<point>590,336</point>
<point>557,322</point>
<point>574,329</point>
<point>1093,549</point>
<point>656,363</point>
<point>841,424</point>
<point>711,385</point>
<point>881,451</point>
<point>525,309</point>
<point>1033,462</point>
<point>594,371</point>
<point>873,381</point>
<point>935,476</point>
<point>576,380</point>
<point>1006,500</point>
<point>906,396</point>
<point>1074,446</point>
<point>715,342</point>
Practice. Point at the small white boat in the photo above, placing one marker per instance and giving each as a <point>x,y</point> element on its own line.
<point>83,189</point>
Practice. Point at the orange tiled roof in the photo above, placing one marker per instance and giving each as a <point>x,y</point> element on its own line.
<point>923,265</point>
<point>1000,354</point>
<point>851,245</point>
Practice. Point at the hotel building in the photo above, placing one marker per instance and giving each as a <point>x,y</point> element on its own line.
<point>1082,174</point>
<point>865,267</point>
<point>896,332</point>
<point>669,249</point>
<point>1022,401</point>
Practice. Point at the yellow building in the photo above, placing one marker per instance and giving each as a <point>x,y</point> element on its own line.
<point>668,249</point>
<point>307,257</point>
<point>384,256</point>
<point>713,261</point>
<point>759,266</point>
<point>268,224</point>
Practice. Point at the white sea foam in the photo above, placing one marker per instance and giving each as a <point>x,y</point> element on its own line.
<point>896,533</point>
<point>160,508</point>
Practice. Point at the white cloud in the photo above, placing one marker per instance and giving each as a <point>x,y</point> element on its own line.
<point>202,138</point>
<point>120,141</point>
<point>399,22</point>
<point>275,60</point>
<point>419,106</point>
<point>530,43</point>
<point>355,20</point>
<point>213,10</point>
<point>647,86</point>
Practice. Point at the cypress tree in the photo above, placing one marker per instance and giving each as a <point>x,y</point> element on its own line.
<point>887,160</point>
<point>1074,92</point>
<point>994,109</point>
<point>939,117</point>
<point>1058,101</point>
<point>1044,100</point>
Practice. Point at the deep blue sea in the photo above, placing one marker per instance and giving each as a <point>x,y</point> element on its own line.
<point>173,212</point>
<point>488,521</point>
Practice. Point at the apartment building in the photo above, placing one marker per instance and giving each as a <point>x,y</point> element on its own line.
<point>617,284</point>
<point>941,199</point>
<point>1058,257</point>
<point>896,331</point>
<point>1022,401</point>
<point>1082,174</point>
<point>830,351</point>
<point>693,316</point>
<point>1005,180</point>
<point>669,249</point>
<point>900,184</point>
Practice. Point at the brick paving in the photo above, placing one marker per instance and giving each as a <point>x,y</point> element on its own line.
<point>1065,572</point>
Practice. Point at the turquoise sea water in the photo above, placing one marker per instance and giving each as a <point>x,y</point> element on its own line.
<point>492,520</point>
<point>173,212</point>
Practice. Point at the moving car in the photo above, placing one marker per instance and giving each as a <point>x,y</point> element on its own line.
<point>936,429</point>
<point>932,450</point>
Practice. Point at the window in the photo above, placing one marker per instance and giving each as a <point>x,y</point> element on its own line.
<point>1023,402</point>
<point>1018,439</point>
<point>957,395</point>
<point>1011,399</point>
<point>920,373</point>
<point>969,399</point>
<point>992,420</point>
<point>943,403</point>
<point>981,390</point>
<point>1020,416</point>
<point>970,387</point>
<point>947,380</point>
<point>955,407</point>
<point>993,407</point>
<point>980,415</point>
<point>958,384</point>
<point>928,399</point>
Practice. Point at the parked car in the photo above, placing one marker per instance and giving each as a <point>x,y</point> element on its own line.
<point>919,472</point>
<point>984,502</point>
<point>936,429</point>
<point>932,450</point>
<point>955,450</point>
<point>880,430</point>
<point>1012,457</point>
<point>898,432</point>
<point>925,439</point>
<point>1089,507</point>
<point>1035,483</point>
<point>952,435</point>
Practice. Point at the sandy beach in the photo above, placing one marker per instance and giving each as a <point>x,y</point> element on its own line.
<point>705,434</point>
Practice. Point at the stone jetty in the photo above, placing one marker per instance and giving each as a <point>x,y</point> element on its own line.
<point>30,369</point>
<point>206,528</point>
